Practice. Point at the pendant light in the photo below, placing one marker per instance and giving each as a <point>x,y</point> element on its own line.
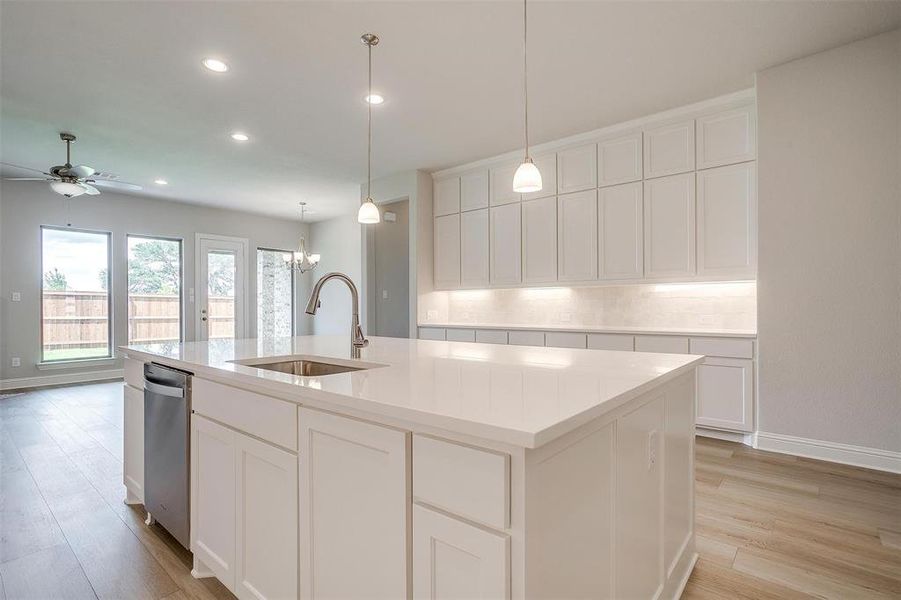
<point>301,260</point>
<point>369,212</point>
<point>527,177</point>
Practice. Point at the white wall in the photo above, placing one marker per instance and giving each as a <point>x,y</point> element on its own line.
<point>829,282</point>
<point>24,207</point>
<point>337,241</point>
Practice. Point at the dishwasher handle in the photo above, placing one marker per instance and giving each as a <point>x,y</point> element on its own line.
<point>164,390</point>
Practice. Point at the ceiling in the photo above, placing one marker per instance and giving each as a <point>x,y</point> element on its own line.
<point>126,78</point>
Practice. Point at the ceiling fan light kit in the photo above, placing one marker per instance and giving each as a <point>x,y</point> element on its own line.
<point>369,212</point>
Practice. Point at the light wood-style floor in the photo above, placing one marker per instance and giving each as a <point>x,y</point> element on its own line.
<point>769,526</point>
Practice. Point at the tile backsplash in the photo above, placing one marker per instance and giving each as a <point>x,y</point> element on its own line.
<point>694,306</point>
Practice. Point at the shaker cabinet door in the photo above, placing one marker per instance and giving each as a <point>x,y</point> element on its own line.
<point>669,226</point>
<point>539,241</point>
<point>474,190</point>
<point>133,450</point>
<point>669,149</point>
<point>474,248</point>
<point>621,233</point>
<point>727,221</point>
<point>619,160</point>
<point>577,236</point>
<point>577,169</point>
<point>447,252</point>
<point>505,244</point>
<point>726,393</point>
<point>447,196</point>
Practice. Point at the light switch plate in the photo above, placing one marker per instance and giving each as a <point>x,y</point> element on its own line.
<point>17,296</point>
<point>15,361</point>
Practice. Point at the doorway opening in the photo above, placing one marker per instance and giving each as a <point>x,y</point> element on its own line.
<point>388,272</point>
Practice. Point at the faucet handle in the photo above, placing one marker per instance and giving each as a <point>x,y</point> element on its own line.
<point>360,340</point>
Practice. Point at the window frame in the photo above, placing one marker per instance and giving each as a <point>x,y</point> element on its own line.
<point>109,296</point>
<point>181,280</point>
<point>293,290</point>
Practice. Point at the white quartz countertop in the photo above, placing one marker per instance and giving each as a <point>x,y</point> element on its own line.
<point>519,395</point>
<point>743,333</point>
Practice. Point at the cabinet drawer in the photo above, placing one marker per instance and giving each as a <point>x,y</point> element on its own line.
<point>669,344</point>
<point>461,335</point>
<point>611,341</point>
<point>726,347</point>
<point>558,339</point>
<point>134,373</point>
<point>525,338</point>
<point>491,336</point>
<point>267,418</point>
<point>468,482</point>
<point>431,333</point>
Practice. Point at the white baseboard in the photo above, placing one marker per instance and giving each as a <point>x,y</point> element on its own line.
<point>730,436</point>
<point>858,456</point>
<point>61,379</point>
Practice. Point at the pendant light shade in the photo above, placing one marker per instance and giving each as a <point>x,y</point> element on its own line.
<point>369,212</point>
<point>527,178</point>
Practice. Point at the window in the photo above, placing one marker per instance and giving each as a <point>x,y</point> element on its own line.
<point>75,298</point>
<point>154,290</point>
<point>275,294</point>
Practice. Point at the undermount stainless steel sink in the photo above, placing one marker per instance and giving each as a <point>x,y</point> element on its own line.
<point>306,368</point>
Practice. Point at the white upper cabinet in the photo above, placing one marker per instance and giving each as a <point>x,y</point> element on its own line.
<point>474,248</point>
<point>547,166</point>
<point>474,190</point>
<point>619,160</point>
<point>539,241</point>
<point>577,236</point>
<point>669,149</point>
<point>620,249</point>
<point>447,196</point>
<point>727,220</point>
<point>577,169</point>
<point>505,250</point>
<point>501,185</point>
<point>447,252</point>
<point>727,137</point>
<point>669,226</point>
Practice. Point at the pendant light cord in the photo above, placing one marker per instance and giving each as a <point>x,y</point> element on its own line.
<point>369,134</point>
<point>525,69</point>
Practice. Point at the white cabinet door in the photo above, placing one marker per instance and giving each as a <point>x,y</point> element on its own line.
<point>133,450</point>
<point>266,531</point>
<point>213,511</point>
<point>354,508</point>
<point>577,169</point>
<point>447,252</point>
<point>432,333</point>
<point>577,236</point>
<point>726,393</point>
<point>669,149</point>
<point>669,226</point>
<point>547,167</point>
<point>611,341</point>
<point>619,160</point>
<point>454,560</point>
<point>620,232</point>
<point>474,190</point>
<point>727,221</point>
<point>727,137</point>
<point>505,245</point>
<point>501,185</point>
<point>539,241</point>
<point>447,196</point>
<point>474,248</point>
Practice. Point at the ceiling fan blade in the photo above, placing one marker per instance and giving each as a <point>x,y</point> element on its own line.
<point>116,185</point>
<point>29,179</point>
<point>80,171</point>
<point>90,190</point>
<point>24,168</point>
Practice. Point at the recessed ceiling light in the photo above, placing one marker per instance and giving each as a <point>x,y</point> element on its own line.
<point>240,137</point>
<point>214,64</point>
<point>374,99</point>
<point>160,182</point>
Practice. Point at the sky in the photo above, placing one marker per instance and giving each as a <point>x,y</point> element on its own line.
<point>78,255</point>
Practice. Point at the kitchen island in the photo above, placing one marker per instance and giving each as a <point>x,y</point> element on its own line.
<point>432,469</point>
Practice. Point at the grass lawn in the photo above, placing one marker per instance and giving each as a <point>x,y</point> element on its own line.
<point>74,353</point>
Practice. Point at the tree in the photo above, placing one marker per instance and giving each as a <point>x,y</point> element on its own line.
<point>154,267</point>
<point>54,280</point>
<point>221,275</point>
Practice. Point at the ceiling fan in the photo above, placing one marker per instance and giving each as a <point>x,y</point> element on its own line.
<point>73,181</point>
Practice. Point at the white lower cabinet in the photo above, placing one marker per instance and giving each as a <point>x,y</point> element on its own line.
<point>244,511</point>
<point>133,450</point>
<point>453,559</point>
<point>354,508</point>
<point>726,393</point>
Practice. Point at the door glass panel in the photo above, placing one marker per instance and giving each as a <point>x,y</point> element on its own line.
<point>154,290</point>
<point>275,294</point>
<point>221,273</point>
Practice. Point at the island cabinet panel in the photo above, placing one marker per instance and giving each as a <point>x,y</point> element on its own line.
<point>620,227</point>
<point>726,393</point>
<point>619,160</point>
<point>266,532</point>
<point>453,559</point>
<point>447,196</point>
<point>577,236</point>
<point>133,448</point>
<point>505,245</point>
<point>474,190</point>
<point>539,241</point>
<point>669,149</point>
<point>669,226</point>
<point>447,252</point>
<point>134,373</point>
<point>727,221</point>
<point>678,478</point>
<point>638,527</point>
<point>354,508</point>
<point>213,498</point>
<point>474,248</point>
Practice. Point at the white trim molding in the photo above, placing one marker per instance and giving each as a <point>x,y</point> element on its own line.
<point>61,379</point>
<point>730,436</point>
<point>858,456</point>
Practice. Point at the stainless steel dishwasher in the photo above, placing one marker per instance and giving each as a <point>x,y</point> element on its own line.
<point>167,449</point>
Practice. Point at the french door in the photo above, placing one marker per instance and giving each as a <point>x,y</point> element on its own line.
<point>221,268</point>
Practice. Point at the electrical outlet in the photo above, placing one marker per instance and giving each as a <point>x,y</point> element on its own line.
<point>17,296</point>
<point>15,361</point>
<point>384,294</point>
<point>652,449</point>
